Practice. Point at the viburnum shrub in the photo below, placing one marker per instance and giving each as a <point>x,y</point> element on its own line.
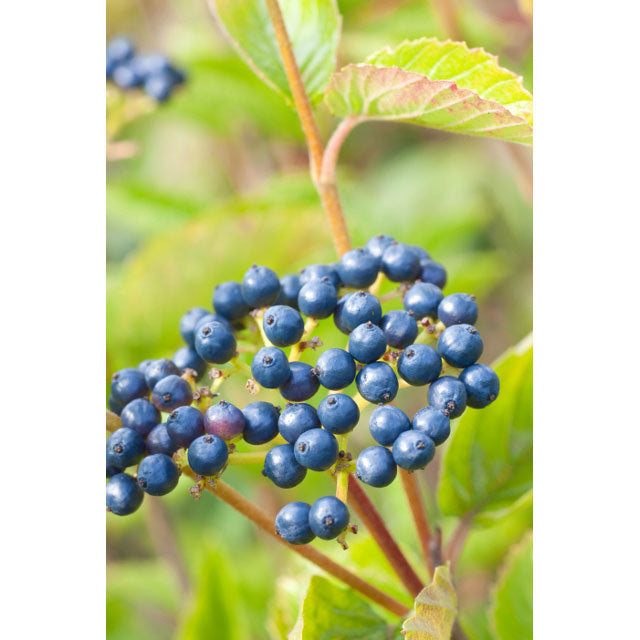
<point>170,417</point>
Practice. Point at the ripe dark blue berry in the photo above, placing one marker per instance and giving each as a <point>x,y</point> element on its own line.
<point>297,418</point>
<point>335,369</point>
<point>435,273</point>
<point>292,523</point>
<point>170,393</point>
<point>328,517</point>
<point>289,289</point>
<point>212,317</point>
<point>270,367</point>
<point>260,287</point>
<point>228,301</point>
<point>316,449</point>
<point>282,468</point>
<point>376,467</point>
<point>377,245</point>
<point>367,343</point>
<point>283,325</point>
<point>481,384</point>
<point>141,416</point>
<point>387,423</point>
<point>400,263</point>
<point>127,385</point>
<point>377,383</point>
<point>449,395</point>
<point>460,345</point>
<point>125,447</point>
<point>419,364</point>
<point>423,299</point>
<point>458,308</point>
<point>432,422</point>
<point>215,342</point>
<point>355,309</point>
<point>124,495</point>
<point>423,254</point>
<point>114,405</point>
<point>400,328</point>
<point>338,413</point>
<point>224,420</point>
<point>159,441</point>
<point>301,385</point>
<point>358,268</point>
<point>318,298</point>
<point>184,425</point>
<point>158,474</point>
<point>261,422</point>
<point>187,358</point>
<point>119,49</point>
<point>160,85</point>
<point>207,455</point>
<point>157,370</point>
<point>188,324</point>
<point>319,271</point>
<point>413,450</point>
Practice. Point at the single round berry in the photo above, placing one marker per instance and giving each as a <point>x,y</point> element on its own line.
<point>124,495</point>
<point>260,287</point>
<point>458,308</point>
<point>377,245</point>
<point>159,441</point>
<point>142,366</point>
<point>126,76</point>
<point>377,383</point>
<point>434,273</point>
<point>170,393</point>
<point>289,289</point>
<point>400,263</point>
<point>301,385</point>
<point>423,299</point>
<point>127,385</point>
<point>282,468</point>
<point>319,271</point>
<point>270,367</point>
<point>212,317</point>
<point>160,85</point>
<point>387,423</point>
<point>141,416</point>
<point>367,343</point>
<point>419,364</point>
<point>283,325</point>
<point>297,418</point>
<point>460,345</point>
<point>228,301</point>
<point>187,358</point>
<point>449,395</point>
<point>413,450</point>
<point>375,466</point>
<point>215,342</point>
<point>292,523</point>
<point>120,49</point>
<point>159,369</point>
<point>188,324</point>
<point>328,517</point>
<point>318,298</point>
<point>400,328</point>
<point>338,413</point>
<point>184,425</point>
<point>224,420</point>
<point>432,422</point>
<point>261,422</point>
<point>481,384</point>
<point>358,268</point>
<point>335,369</point>
<point>158,474</point>
<point>111,470</point>
<point>125,447</point>
<point>355,309</point>
<point>316,449</point>
<point>207,455</point>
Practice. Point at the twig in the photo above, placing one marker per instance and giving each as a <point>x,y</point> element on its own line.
<point>412,491</point>
<point>458,538</point>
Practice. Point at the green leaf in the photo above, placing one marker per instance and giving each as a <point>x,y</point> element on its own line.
<point>314,30</point>
<point>441,85</point>
<point>329,612</point>
<point>512,611</point>
<point>488,463</point>
<point>434,611</point>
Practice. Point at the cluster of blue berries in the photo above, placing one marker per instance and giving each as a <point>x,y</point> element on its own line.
<point>431,341</point>
<point>151,71</point>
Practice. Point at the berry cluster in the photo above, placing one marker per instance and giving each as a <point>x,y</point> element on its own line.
<point>152,71</point>
<point>432,341</point>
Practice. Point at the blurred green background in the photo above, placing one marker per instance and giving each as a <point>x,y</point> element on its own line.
<point>216,180</point>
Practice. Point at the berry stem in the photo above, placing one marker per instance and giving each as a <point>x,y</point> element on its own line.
<point>309,327</point>
<point>412,491</point>
<point>455,545</point>
<point>256,457</point>
<point>342,475</point>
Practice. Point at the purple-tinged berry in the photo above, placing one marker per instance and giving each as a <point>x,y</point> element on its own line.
<point>225,421</point>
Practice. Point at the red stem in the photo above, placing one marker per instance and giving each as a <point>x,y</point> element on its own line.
<point>412,491</point>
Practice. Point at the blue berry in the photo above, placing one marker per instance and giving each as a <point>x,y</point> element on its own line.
<point>260,287</point>
<point>338,413</point>
<point>187,358</point>
<point>413,450</point>
<point>400,263</point>
<point>159,369</point>
<point>481,384</point>
<point>160,85</point>
<point>423,299</point>
<point>184,425</point>
<point>458,308</point>
<point>114,405</point>
<point>212,317</point>
<point>111,470</point>
<point>149,64</point>
<point>207,455</point>
<point>400,328</point>
<point>124,495</point>
<point>328,517</point>
<point>127,385</point>
<point>141,416</point>
<point>376,467</point>
<point>316,449</point>
<point>449,395</point>
<point>318,298</point>
<point>355,309</point>
<point>270,367</point>
<point>423,254</point>
<point>434,273</point>
<point>283,325</point>
<point>170,393</point>
<point>335,369</point>
<point>119,49</point>
<point>377,383</point>
<point>460,345</point>
<point>367,343</point>
<point>282,468</point>
<point>292,523</point>
<point>387,423</point>
<point>261,422</point>
<point>319,271</point>
<point>358,268</point>
<point>126,76</point>
<point>159,441</point>
<point>295,419</point>
<point>289,289</point>
<point>215,342</point>
<point>188,324</point>
<point>301,385</point>
<point>142,366</point>
<point>125,447</point>
<point>228,301</point>
<point>224,420</point>
<point>419,364</point>
<point>377,245</point>
<point>432,422</point>
<point>158,474</point>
